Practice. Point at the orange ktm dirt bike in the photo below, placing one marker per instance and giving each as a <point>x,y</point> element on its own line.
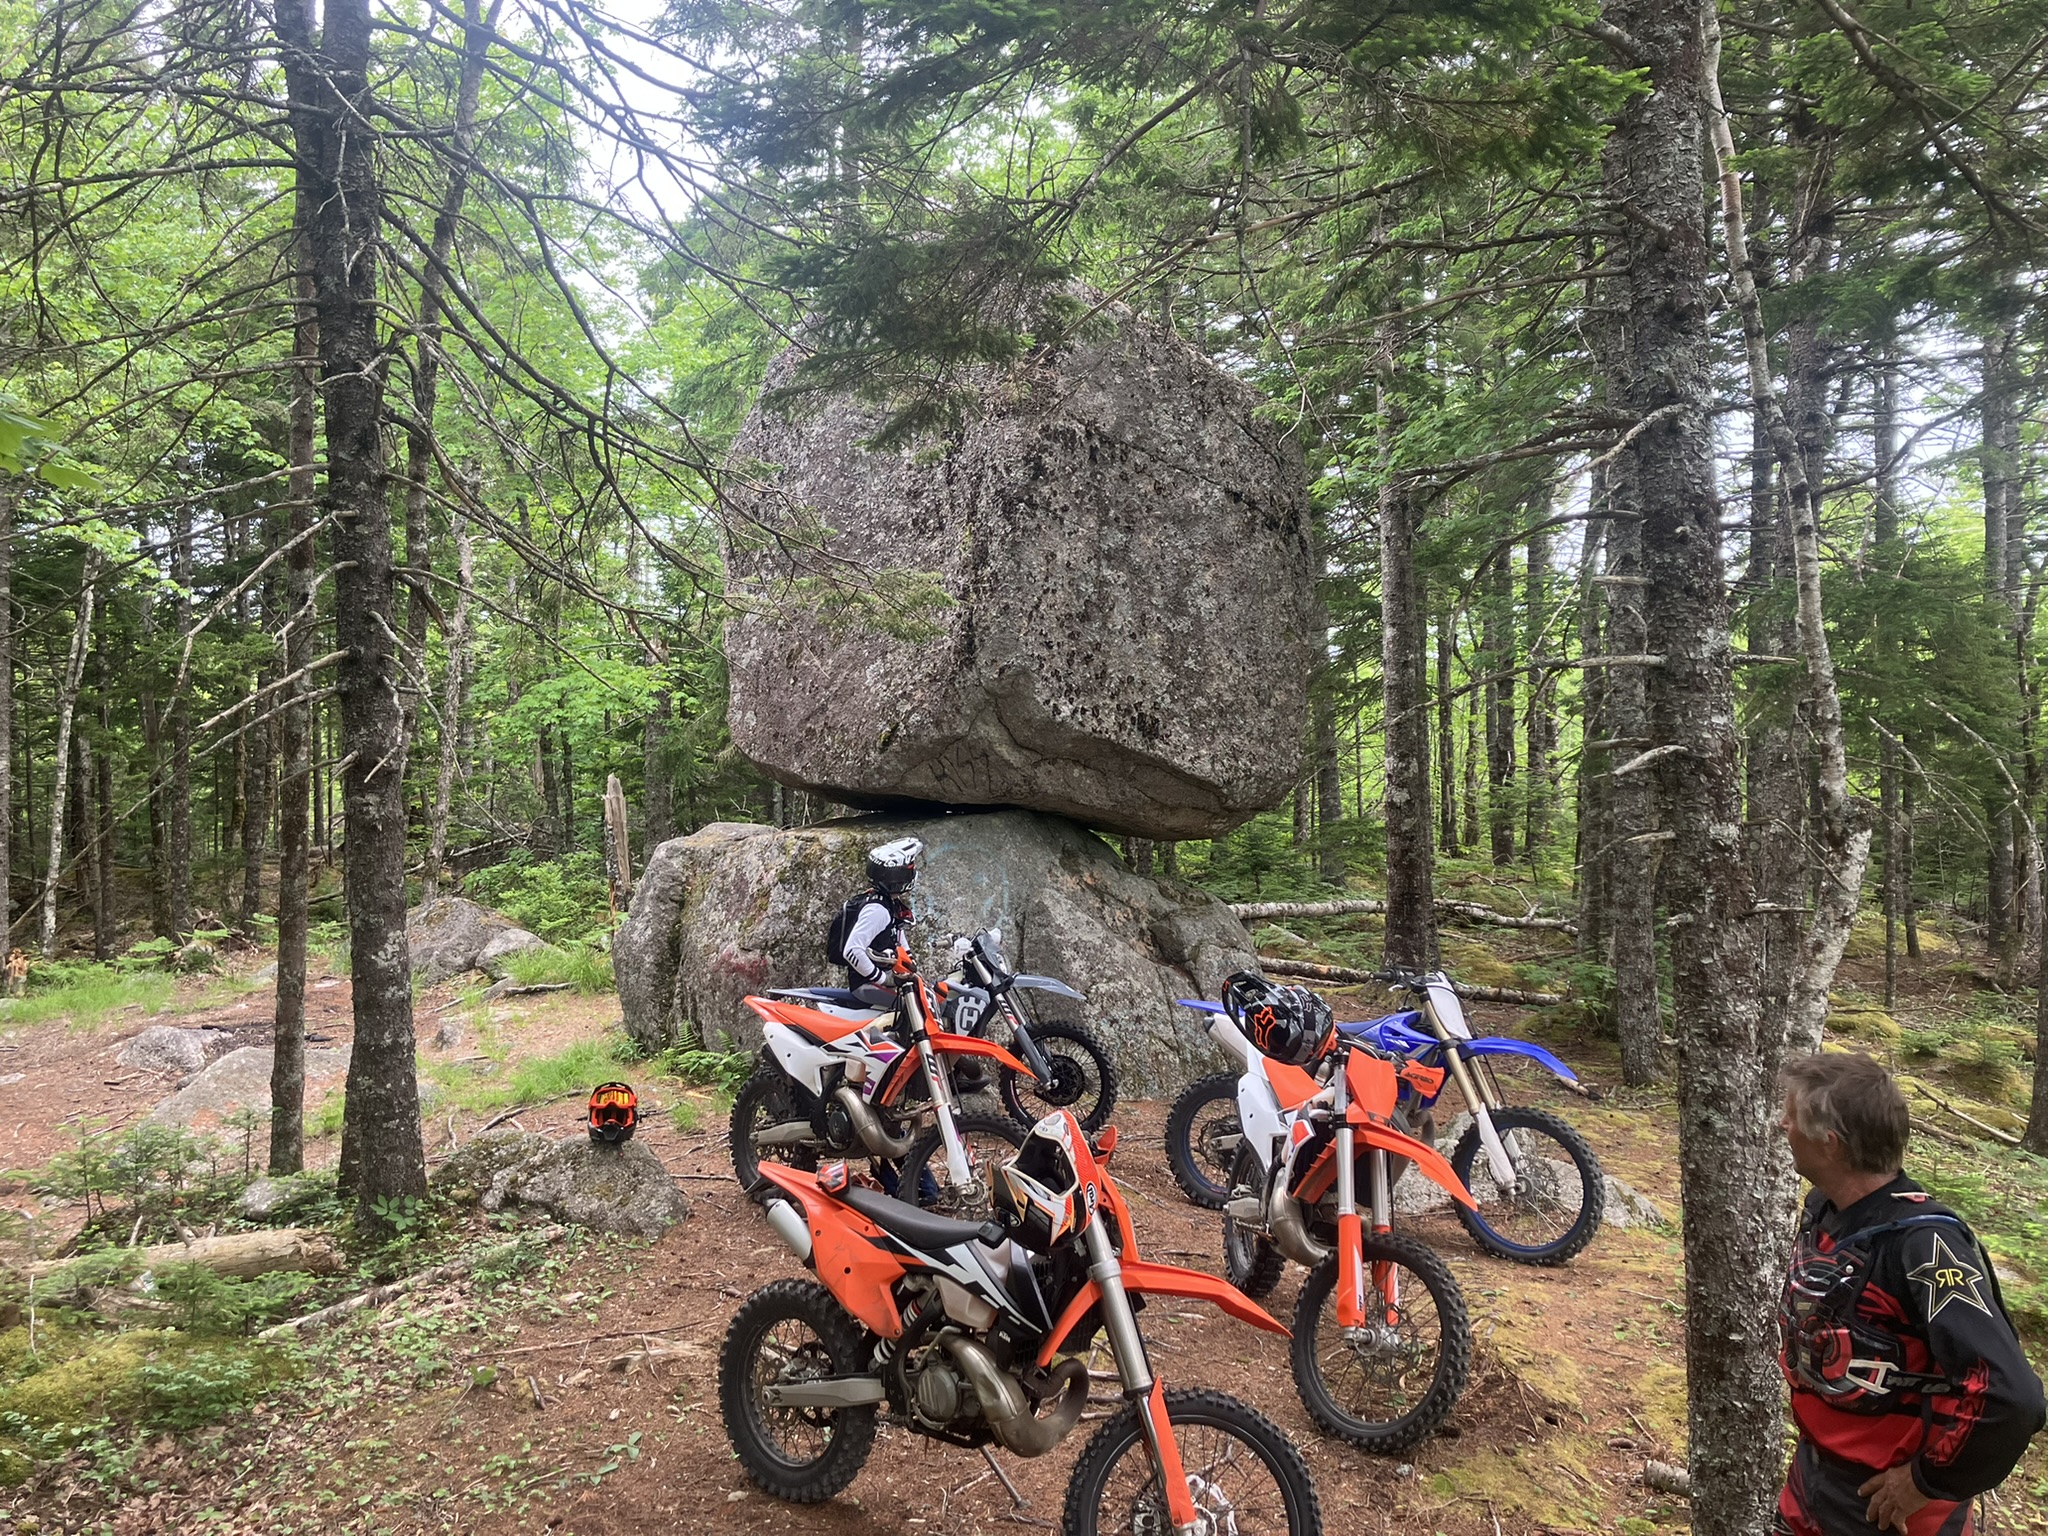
<point>1382,1342</point>
<point>974,1334</point>
<point>865,1074</point>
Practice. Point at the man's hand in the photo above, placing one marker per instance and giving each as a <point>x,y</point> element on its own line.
<point>1894,1498</point>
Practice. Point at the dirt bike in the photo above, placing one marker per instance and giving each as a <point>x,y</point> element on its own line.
<point>975,1334</point>
<point>1538,1190</point>
<point>866,1073</point>
<point>1382,1342</point>
<point>1069,1067</point>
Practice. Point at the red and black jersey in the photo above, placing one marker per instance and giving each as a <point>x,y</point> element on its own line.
<point>1898,1348</point>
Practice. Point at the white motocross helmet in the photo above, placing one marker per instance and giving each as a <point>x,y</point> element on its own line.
<point>893,866</point>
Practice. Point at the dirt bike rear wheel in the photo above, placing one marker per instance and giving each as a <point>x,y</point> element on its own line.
<point>1250,1260</point>
<point>1244,1473</point>
<point>790,1331</point>
<point>1386,1385</point>
<point>1202,1137</point>
<point>767,1098</point>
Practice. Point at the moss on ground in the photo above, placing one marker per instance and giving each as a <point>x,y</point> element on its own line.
<point>1549,1485</point>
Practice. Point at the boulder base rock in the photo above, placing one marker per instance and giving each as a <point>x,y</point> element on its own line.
<point>447,935</point>
<point>241,1080</point>
<point>622,1189</point>
<point>1126,548</point>
<point>501,946</point>
<point>165,1049</point>
<point>738,908</point>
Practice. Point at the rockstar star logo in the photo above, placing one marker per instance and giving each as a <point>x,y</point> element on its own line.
<point>1948,1279</point>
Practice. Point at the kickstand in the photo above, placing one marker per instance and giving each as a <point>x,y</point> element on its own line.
<point>1016,1499</point>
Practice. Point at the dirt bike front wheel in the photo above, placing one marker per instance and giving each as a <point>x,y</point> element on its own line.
<point>1554,1207</point>
<point>1243,1474</point>
<point>787,1332</point>
<point>1385,1385</point>
<point>1083,1079</point>
<point>925,1180</point>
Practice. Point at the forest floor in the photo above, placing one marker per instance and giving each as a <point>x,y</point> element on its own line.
<point>573,1390</point>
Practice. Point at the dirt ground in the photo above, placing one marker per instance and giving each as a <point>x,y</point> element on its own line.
<point>590,1406</point>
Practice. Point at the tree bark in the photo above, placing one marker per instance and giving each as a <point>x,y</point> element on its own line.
<point>1541,731</point>
<point>1660,379</point>
<point>1329,785</point>
<point>6,707</point>
<point>106,908</point>
<point>453,687</point>
<point>382,1160</point>
<point>178,804</point>
<point>1446,740</point>
<point>1843,823</point>
<point>1594,832</point>
<point>67,707</point>
<point>295,724</point>
<point>1497,632</point>
<point>1411,887</point>
<point>1631,917</point>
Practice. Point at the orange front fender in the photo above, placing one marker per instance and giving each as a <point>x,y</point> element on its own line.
<point>1420,1153</point>
<point>1141,1278</point>
<point>949,1043</point>
<point>849,1253</point>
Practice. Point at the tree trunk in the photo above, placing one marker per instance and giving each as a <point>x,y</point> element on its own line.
<point>1909,915</point>
<point>568,823</point>
<point>1884,529</point>
<point>67,707</point>
<point>382,1160</point>
<point>1446,743</point>
<point>1498,637</point>
<point>1468,808</point>
<point>1592,856</point>
<point>1631,917</point>
<point>453,686</point>
<point>255,817</point>
<point>6,708</point>
<point>178,805</point>
<point>1411,887</point>
<point>1660,379</point>
<point>295,727</point>
<point>1329,786</point>
<point>105,905</point>
<point>550,792</point>
<point>1997,473</point>
<point>1541,732</point>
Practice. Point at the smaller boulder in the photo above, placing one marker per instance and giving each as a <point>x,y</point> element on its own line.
<point>504,944</point>
<point>239,1080</point>
<point>447,934</point>
<point>623,1189</point>
<point>196,958</point>
<point>165,1050</point>
<point>268,1198</point>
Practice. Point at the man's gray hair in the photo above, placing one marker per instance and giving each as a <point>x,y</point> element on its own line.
<point>1853,1099</point>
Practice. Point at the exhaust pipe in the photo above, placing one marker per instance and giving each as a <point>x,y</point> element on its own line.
<point>868,1125</point>
<point>788,1133</point>
<point>1021,1432</point>
<point>1290,1230</point>
<point>790,1226</point>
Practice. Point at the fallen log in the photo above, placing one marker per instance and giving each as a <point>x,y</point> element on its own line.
<point>234,1255</point>
<point>1350,976</point>
<point>1366,906</point>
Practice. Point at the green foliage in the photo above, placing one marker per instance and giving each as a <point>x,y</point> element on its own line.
<point>72,1384</point>
<point>576,1068</point>
<point>147,1182</point>
<point>723,1070</point>
<point>583,966</point>
<point>560,899</point>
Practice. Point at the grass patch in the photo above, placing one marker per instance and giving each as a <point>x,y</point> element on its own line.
<point>324,1118</point>
<point>86,996</point>
<point>585,969</point>
<point>578,1069</point>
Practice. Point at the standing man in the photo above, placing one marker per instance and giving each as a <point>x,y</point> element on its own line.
<point>1908,1385</point>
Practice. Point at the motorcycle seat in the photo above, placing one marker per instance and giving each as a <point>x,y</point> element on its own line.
<point>920,1228</point>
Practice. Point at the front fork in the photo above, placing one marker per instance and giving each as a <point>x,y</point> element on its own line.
<point>1135,1369</point>
<point>1481,1104</point>
<point>1020,1036</point>
<point>1351,1277</point>
<point>940,1086</point>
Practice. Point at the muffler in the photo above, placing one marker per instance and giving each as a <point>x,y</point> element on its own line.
<point>790,1226</point>
<point>1289,1230</point>
<point>1017,1429</point>
<point>787,1133</point>
<point>868,1125</point>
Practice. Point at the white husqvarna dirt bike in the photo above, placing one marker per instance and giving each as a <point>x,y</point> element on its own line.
<point>856,1074</point>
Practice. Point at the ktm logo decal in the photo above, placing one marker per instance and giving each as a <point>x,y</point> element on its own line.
<point>1948,1279</point>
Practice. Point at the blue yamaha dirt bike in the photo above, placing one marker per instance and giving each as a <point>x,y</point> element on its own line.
<point>1538,1189</point>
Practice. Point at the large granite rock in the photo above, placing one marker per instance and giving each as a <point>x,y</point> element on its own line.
<point>241,1080</point>
<point>737,908</point>
<point>1127,553</point>
<point>623,1189</point>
